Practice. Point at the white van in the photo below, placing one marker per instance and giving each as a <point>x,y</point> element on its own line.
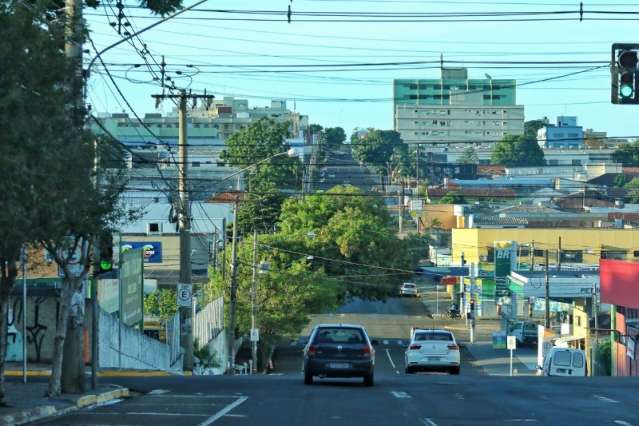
<point>566,362</point>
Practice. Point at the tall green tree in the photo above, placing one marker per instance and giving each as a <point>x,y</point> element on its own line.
<point>469,156</point>
<point>531,127</point>
<point>335,136</point>
<point>383,150</point>
<point>262,140</point>
<point>518,151</point>
<point>628,154</point>
<point>632,189</point>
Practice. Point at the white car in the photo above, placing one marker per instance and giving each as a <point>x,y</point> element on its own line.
<point>432,349</point>
<point>408,289</point>
<point>564,362</point>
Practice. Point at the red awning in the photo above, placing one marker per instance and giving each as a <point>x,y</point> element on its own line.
<point>449,280</point>
<point>619,281</point>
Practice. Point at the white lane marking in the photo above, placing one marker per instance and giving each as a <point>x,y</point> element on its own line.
<point>459,396</point>
<point>239,416</point>
<point>196,396</point>
<point>606,399</point>
<point>159,391</point>
<point>224,411</point>
<point>521,420</point>
<point>390,359</point>
<point>144,413</point>
<point>428,422</point>
<point>401,395</point>
<point>622,423</point>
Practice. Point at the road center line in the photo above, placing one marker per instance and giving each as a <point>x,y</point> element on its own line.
<point>401,395</point>
<point>606,399</point>
<point>224,411</point>
<point>621,422</point>
<point>390,359</point>
<point>428,422</point>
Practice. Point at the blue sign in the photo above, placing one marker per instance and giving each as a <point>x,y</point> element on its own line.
<point>152,250</point>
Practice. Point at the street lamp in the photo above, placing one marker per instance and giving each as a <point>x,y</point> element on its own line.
<point>490,80</point>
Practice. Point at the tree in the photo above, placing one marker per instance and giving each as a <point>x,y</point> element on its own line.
<point>161,303</point>
<point>315,129</point>
<point>518,151</point>
<point>335,136</point>
<point>261,140</point>
<point>469,156</point>
<point>628,155</point>
<point>620,180</point>
<point>452,197</point>
<point>47,185</point>
<point>382,149</point>
<point>632,189</point>
<point>531,127</point>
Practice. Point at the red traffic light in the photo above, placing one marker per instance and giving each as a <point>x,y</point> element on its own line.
<point>628,59</point>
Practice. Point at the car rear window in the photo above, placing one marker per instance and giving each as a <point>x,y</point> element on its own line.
<point>339,335</point>
<point>434,335</point>
<point>577,360</point>
<point>562,358</point>
<point>409,285</point>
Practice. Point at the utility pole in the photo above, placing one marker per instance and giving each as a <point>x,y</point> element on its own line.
<point>231,335</point>
<point>547,286</point>
<point>73,52</point>
<point>23,265</point>
<point>184,219</point>
<point>559,255</point>
<point>254,302</point>
<point>401,209</point>
<point>532,256</point>
<point>417,171</point>
<point>223,265</point>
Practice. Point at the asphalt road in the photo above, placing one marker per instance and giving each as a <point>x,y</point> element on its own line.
<point>396,399</point>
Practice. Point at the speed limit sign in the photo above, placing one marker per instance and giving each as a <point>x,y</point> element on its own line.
<point>184,295</point>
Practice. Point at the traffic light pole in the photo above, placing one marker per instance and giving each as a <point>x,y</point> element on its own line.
<point>186,313</point>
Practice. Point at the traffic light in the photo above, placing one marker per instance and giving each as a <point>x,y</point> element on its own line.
<point>105,263</point>
<point>625,75</point>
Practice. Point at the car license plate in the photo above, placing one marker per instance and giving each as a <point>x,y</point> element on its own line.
<point>433,358</point>
<point>339,365</point>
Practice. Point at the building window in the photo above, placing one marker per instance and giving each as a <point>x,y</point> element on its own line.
<point>153,228</point>
<point>613,254</point>
<point>572,256</point>
<point>576,162</point>
<point>538,253</point>
<point>635,253</point>
<point>195,164</point>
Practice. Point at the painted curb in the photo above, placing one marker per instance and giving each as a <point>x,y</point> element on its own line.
<point>118,373</point>
<point>46,411</point>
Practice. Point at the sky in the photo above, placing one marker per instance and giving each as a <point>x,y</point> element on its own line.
<point>228,55</point>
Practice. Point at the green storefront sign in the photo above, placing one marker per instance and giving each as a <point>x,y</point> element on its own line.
<point>131,287</point>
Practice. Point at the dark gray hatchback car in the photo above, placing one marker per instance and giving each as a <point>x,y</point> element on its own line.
<point>339,350</point>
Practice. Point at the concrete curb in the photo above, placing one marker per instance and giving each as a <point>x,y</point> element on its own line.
<point>47,411</point>
<point>105,373</point>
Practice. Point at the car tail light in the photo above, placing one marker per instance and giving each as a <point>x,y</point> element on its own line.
<point>312,350</point>
<point>453,347</point>
<point>367,351</point>
<point>415,347</point>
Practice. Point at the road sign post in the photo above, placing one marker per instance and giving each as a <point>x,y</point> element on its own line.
<point>511,345</point>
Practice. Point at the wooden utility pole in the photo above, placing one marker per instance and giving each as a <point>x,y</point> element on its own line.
<point>532,256</point>
<point>184,219</point>
<point>233,304</point>
<point>547,286</point>
<point>559,255</point>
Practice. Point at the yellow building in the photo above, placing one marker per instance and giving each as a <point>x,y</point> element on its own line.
<point>578,245</point>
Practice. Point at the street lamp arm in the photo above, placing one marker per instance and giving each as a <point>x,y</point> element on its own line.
<point>135,34</point>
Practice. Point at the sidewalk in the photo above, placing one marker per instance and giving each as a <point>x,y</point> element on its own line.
<point>14,369</point>
<point>496,362</point>
<point>27,403</point>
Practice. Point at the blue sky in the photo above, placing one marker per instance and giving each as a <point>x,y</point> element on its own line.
<point>336,98</point>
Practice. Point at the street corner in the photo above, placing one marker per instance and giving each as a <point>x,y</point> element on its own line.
<point>28,415</point>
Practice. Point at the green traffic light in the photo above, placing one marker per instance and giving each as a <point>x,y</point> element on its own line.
<point>626,91</point>
<point>105,265</point>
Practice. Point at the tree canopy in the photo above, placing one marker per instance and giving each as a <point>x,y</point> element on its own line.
<point>335,136</point>
<point>469,156</point>
<point>628,155</point>
<point>384,150</point>
<point>518,151</point>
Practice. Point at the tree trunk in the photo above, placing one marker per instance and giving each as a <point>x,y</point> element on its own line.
<point>7,280</point>
<point>55,387</point>
<point>73,380</point>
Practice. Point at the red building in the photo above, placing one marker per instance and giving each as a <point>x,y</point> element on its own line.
<point>620,288</point>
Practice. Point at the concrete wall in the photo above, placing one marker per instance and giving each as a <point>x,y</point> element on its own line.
<point>126,347</point>
<point>41,320</point>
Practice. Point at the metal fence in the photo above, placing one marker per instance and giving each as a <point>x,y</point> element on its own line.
<point>209,322</point>
<point>173,339</point>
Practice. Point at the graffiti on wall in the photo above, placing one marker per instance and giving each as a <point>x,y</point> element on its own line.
<point>37,329</point>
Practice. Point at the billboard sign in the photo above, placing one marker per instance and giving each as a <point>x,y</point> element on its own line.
<point>152,250</point>
<point>131,287</point>
<point>505,262</point>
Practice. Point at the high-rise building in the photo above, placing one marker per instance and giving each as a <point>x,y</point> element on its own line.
<point>456,109</point>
